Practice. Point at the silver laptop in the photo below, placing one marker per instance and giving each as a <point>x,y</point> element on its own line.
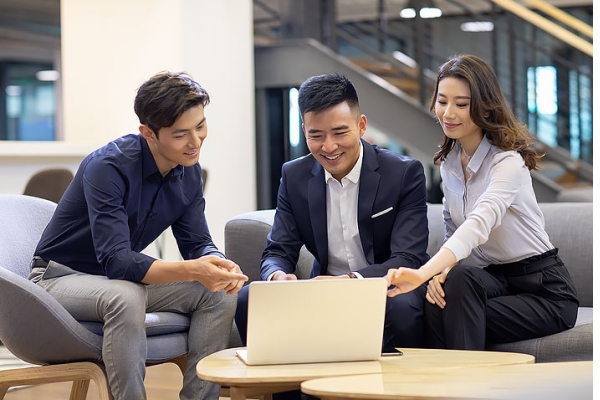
<point>310,321</point>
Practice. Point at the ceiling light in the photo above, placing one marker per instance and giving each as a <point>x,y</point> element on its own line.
<point>426,8</point>
<point>477,26</point>
<point>430,12</point>
<point>49,75</point>
<point>408,13</point>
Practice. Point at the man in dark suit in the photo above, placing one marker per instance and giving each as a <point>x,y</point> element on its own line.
<point>359,209</point>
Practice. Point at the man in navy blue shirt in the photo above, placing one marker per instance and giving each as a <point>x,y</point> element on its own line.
<point>122,198</point>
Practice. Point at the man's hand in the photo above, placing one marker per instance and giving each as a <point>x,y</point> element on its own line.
<point>282,276</point>
<point>435,293</point>
<point>404,280</point>
<point>217,274</point>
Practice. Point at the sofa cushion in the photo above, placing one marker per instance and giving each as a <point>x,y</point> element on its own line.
<point>157,323</point>
<point>575,344</point>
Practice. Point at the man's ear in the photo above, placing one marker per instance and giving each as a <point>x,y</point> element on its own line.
<point>147,133</point>
<point>362,124</point>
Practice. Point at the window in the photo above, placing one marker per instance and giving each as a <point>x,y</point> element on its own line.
<point>542,103</point>
<point>28,104</point>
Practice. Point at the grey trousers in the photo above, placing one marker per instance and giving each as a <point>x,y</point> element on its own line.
<point>122,305</point>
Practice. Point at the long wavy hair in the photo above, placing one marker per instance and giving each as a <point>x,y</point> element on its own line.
<point>488,109</point>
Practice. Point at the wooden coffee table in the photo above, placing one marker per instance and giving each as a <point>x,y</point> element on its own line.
<point>226,369</point>
<point>571,380</point>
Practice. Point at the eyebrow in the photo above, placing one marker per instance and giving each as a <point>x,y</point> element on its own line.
<point>185,130</point>
<point>456,97</point>
<point>337,128</point>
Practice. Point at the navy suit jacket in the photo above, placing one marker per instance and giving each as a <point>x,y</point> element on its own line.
<point>390,185</point>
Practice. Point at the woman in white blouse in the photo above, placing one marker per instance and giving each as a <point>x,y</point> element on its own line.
<point>518,288</point>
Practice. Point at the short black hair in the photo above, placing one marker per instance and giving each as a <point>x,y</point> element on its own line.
<point>321,92</point>
<point>162,99</point>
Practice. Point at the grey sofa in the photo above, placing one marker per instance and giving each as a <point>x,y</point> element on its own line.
<point>568,224</point>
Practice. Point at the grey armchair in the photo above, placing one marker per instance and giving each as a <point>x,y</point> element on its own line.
<point>38,330</point>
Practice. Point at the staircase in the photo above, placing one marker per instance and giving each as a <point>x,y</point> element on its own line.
<point>406,62</point>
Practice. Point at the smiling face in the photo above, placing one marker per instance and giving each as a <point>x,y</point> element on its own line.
<point>333,137</point>
<point>452,108</point>
<point>180,143</point>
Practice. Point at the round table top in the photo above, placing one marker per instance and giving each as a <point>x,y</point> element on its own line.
<point>225,368</point>
<point>572,380</point>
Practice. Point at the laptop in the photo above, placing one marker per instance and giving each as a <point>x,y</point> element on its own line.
<point>312,321</point>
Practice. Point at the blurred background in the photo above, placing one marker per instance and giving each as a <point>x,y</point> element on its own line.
<point>69,69</point>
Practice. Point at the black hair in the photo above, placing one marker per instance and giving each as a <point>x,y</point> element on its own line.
<point>321,92</point>
<point>162,99</point>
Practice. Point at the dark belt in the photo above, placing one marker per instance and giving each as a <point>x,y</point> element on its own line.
<point>528,265</point>
<point>37,262</point>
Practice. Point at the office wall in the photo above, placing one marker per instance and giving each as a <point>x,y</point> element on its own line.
<point>109,47</point>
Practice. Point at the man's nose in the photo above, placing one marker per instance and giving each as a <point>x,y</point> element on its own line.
<point>329,144</point>
<point>196,140</point>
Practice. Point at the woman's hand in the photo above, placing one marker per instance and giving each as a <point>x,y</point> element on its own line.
<point>404,280</point>
<point>435,293</point>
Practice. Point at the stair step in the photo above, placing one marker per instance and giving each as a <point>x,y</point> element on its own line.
<point>405,84</point>
<point>382,69</point>
<point>263,40</point>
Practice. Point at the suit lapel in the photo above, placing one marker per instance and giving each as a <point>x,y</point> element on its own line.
<point>369,183</point>
<point>317,210</point>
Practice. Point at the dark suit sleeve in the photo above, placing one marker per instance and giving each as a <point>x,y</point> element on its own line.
<point>410,232</point>
<point>283,242</point>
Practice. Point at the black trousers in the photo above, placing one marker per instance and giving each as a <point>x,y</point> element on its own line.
<point>503,303</point>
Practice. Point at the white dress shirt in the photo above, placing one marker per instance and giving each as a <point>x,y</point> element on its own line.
<point>344,247</point>
<point>494,216</point>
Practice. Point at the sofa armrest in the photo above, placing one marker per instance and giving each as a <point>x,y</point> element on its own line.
<point>246,238</point>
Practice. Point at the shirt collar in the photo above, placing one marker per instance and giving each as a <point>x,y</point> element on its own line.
<point>476,160</point>
<point>479,155</point>
<point>354,173</point>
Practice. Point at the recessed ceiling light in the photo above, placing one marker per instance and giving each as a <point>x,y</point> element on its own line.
<point>408,13</point>
<point>425,12</point>
<point>477,26</point>
<point>430,12</point>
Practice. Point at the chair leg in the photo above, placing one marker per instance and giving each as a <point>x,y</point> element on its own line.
<point>79,390</point>
<point>180,361</point>
<point>79,373</point>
